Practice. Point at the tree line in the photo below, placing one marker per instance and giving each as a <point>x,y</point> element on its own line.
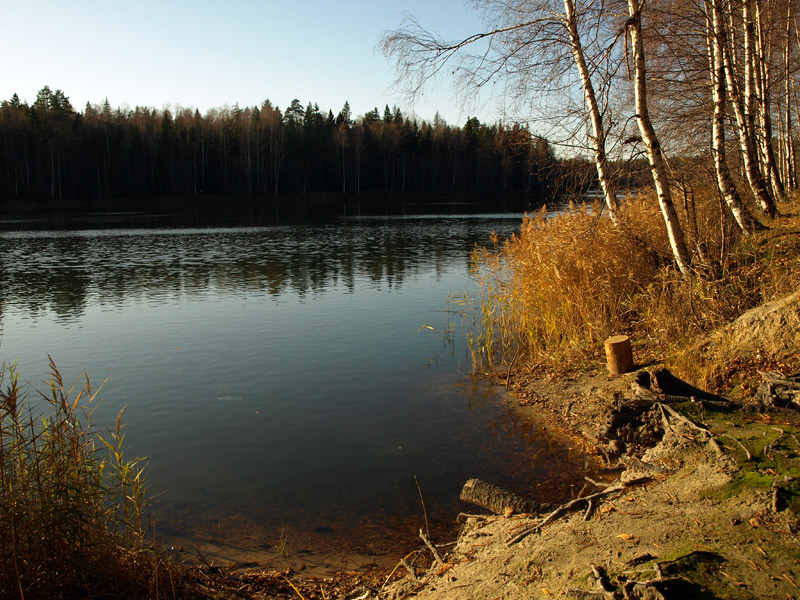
<point>51,152</point>
<point>627,79</point>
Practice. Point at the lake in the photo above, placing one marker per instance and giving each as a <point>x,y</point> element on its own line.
<point>279,377</point>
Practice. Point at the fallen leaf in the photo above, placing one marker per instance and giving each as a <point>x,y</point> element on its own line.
<point>625,536</point>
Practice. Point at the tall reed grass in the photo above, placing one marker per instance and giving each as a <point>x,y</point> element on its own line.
<point>70,501</point>
<point>553,292</point>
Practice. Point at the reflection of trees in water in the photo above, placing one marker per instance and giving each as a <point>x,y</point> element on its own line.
<point>65,271</point>
<point>47,284</point>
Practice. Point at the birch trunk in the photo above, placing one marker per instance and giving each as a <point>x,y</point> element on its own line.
<point>716,43</point>
<point>790,176</point>
<point>652,144</point>
<point>749,151</point>
<point>762,60</point>
<point>598,131</point>
<point>750,97</point>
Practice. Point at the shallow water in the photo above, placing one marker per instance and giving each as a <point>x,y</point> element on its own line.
<point>277,376</point>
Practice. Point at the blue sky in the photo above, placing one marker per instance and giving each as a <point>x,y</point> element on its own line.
<point>210,54</point>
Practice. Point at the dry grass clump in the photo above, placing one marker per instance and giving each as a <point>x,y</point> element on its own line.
<point>560,285</point>
<point>552,293</point>
<point>566,282</point>
<point>70,502</point>
<point>764,269</point>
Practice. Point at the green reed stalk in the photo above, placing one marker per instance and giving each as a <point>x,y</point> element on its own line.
<point>70,516</point>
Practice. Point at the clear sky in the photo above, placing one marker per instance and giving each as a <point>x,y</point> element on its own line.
<point>210,54</point>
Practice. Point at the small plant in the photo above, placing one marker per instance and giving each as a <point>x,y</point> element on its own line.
<point>70,515</point>
<point>282,549</point>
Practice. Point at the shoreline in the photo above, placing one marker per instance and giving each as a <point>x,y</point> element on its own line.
<point>696,500</point>
<point>678,525</point>
<point>677,522</point>
<point>692,505</point>
<point>240,547</point>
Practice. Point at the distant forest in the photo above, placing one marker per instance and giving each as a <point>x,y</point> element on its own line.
<point>53,154</point>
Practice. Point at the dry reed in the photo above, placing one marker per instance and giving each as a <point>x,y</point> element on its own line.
<point>553,292</point>
<point>70,501</point>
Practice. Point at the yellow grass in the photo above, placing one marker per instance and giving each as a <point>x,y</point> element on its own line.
<point>555,291</point>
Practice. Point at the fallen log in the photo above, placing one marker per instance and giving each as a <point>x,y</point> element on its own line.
<point>498,500</point>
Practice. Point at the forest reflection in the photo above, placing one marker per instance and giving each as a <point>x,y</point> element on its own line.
<point>62,271</point>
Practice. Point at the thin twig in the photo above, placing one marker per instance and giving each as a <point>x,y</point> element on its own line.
<point>464,515</point>
<point>589,510</point>
<point>294,588</point>
<point>436,556</point>
<point>771,446</point>
<point>411,570</point>
<point>741,445</point>
<point>405,564</point>
<point>422,500</point>
<point>664,408</point>
<point>571,504</point>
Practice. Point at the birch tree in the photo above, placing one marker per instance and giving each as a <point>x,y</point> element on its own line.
<point>742,98</point>
<point>787,147</point>
<point>717,42</point>
<point>530,45</point>
<point>651,142</point>
<point>700,57</point>
<point>593,107</point>
<point>762,59</point>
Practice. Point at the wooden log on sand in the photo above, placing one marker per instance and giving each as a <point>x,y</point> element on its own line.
<point>619,354</point>
<point>498,500</point>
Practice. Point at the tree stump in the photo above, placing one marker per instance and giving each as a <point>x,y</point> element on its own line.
<point>619,355</point>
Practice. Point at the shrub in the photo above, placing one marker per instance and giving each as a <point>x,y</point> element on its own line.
<point>70,502</point>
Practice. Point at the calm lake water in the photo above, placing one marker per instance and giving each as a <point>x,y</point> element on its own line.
<point>276,376</point>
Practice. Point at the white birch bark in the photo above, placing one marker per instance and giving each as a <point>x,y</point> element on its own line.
<point>716,43</point>
<point>652,144</point>
<point>762,60</point>
<point>790,176</point>
<point>598,130</point>
<point>741,102</point>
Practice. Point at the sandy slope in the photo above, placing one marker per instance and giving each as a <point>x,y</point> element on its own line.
<point>703,525</point>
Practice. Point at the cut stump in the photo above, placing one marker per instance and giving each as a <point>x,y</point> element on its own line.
<point>619,354</point>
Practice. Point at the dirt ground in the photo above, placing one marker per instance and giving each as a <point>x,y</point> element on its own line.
<point>694,498</point>
<point>712,510</point>
<point>687,529</point>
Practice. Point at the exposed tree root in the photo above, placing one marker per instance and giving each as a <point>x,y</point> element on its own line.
<point>565,508</point>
